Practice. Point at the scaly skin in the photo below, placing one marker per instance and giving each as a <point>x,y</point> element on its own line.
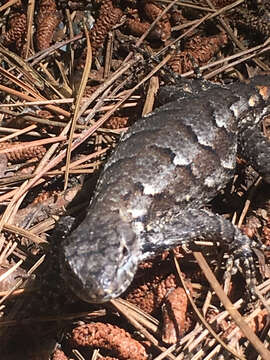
<point>166,167</point>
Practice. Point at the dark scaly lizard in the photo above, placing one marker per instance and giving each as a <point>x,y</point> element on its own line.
<point>150,194</point>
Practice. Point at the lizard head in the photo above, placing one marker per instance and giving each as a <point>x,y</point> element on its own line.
<point>100,258</point>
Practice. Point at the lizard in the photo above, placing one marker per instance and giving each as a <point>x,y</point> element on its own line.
<point>151,193</point>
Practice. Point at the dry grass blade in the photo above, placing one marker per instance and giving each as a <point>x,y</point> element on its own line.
<point>257,50</point>
<point>36,59</point>
<point>125,312</point>
<point>20,281</point>
<point>79,97</point>
<point>18,82</point>
<point>21,95</point>
<point>11,270</point>
<point>150,97</point>
<point>44,319</point>
<point>34,143</point>
<point>229,66</point>
<point>30,17</point>
<point>108,83</point>
<point>237,42</point>
<point>202,319</point>
<point>254,340</point>
<point>81,139</point>
<point>17,230</point>
<point>139,315</point>
<point>41,102</point>
<point>8,4</point>
<point>18,133</point>
<point>30,73</point>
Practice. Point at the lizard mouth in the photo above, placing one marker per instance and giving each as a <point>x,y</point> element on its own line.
<point>99,287</point>
<point>91,294</point>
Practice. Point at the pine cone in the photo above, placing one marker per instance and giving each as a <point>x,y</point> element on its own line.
<point>17,23</point>
<point>109,337</point>
<point>109,16</point>
<point>47,21</point>
<point>198,50</point>
<point>22,153</point>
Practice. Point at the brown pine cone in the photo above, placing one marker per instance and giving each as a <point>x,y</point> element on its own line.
<point>109,337</point>
<point>16,33</point>
<point>47,21</point>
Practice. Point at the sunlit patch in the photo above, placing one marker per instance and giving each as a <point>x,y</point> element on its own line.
<point>137,213</point>
<point>239,107</point>
<point>138,227</point>
<point>253,100</point>
<point>210,181</point>
<point>264,91</point>
<point>222,118</point>
<point>228,163</point>
<point>150,190</point>
<point>181,160</point>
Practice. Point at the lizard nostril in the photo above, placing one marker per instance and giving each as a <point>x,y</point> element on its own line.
<point>125,251</point>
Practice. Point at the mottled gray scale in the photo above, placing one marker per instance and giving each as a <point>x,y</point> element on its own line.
<point>157,175</point>
<point>257,151</point>
<point>186,89</point>
<point>152,190</point>
<point>123,193</point>
<point>158,172</point>
<point>215,126</point>
<point>186,189</point>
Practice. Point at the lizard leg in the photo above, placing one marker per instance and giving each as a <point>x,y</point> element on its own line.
<point>195,229</point>
<point>255,148</point>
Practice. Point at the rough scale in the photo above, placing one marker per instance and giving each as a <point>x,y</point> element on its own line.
<point>152,190</point>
